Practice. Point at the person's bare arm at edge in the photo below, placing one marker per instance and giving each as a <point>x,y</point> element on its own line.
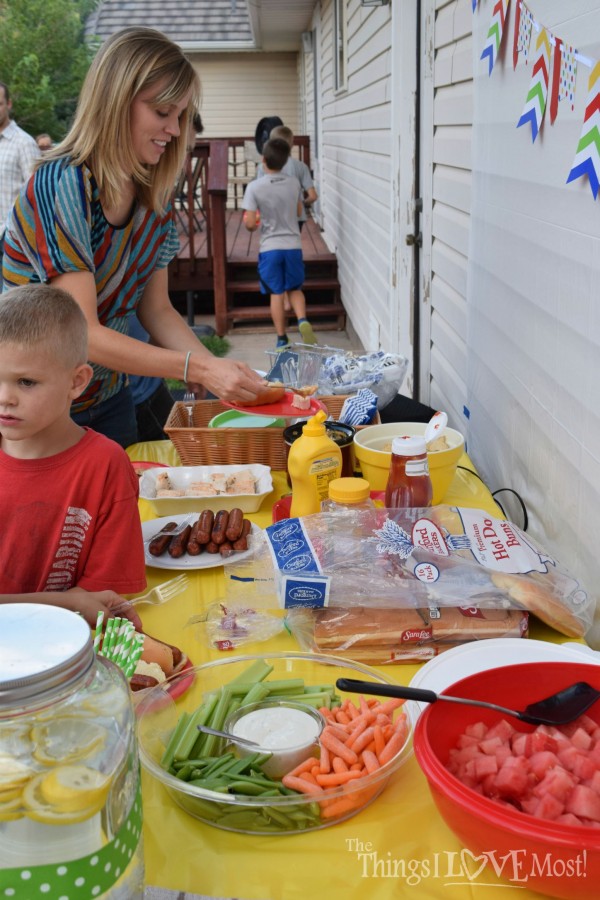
<point>231,380</point>
<point>87,603</point>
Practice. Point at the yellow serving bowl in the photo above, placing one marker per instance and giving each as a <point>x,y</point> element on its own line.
<point>375,461</point>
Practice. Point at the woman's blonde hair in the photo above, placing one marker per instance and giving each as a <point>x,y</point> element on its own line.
<point>130,61</point>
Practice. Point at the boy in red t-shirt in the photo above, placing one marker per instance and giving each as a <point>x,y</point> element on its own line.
<point>72,534</point>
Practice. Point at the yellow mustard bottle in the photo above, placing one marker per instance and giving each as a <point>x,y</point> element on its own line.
<point>314,460</point>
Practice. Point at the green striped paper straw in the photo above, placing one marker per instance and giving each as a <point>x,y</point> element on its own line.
<point>98,634</point>
<point>135,652</point>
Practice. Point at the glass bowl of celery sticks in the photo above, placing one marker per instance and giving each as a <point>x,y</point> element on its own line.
<point>363,744</point>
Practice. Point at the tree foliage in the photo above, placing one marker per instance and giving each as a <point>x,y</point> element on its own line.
<point>43,60</point>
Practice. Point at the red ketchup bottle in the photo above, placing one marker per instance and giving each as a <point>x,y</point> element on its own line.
<point>408,483</point>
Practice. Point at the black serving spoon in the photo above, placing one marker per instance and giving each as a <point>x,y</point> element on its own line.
<point>558,709</point>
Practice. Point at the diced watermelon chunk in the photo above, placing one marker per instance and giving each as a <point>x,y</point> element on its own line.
<point>512,778</point>
<point>477,730</point>
<point>584,803</point>
<point>539,763</point>
<point>557,782</point>
<point>484,765</point>
<point>581,739</point>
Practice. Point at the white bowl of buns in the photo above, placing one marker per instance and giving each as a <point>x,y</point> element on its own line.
<point>184,489</point>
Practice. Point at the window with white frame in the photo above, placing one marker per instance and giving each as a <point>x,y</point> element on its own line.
<point>340,44</point>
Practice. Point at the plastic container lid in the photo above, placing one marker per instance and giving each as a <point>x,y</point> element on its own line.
<point>349,490</point>
<point>409,446</point>
<point>42,649</point>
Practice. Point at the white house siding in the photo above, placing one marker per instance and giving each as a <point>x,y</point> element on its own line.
<point>534,304</point>
<point>447,113</point>
<point>355,166</point>
<point>239,89</point>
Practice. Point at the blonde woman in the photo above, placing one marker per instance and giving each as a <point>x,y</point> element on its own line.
<point>95,219</point>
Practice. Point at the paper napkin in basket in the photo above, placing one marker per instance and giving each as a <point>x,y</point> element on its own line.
<point>360,409</point>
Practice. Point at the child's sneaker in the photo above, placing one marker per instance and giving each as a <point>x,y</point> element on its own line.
<point>308,335</point>
<point>282,343</point>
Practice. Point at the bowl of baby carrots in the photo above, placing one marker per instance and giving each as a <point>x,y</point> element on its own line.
<point>360,744</point>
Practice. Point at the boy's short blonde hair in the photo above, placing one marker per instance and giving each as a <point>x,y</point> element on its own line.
<point>39,315</point>
<point>283,132</point>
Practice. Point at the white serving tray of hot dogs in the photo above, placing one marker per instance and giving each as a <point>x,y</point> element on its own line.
<point>203,561</point>
<point>181,477</point>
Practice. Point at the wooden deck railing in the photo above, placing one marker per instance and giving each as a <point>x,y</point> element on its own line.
<point>207,188</point>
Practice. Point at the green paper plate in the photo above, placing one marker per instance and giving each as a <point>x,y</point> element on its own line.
<point>231,418</point>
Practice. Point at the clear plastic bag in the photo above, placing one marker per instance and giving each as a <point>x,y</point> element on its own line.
<point>229,625</point>
<point>410,559</point>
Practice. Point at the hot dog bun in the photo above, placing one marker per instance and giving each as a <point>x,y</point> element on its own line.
<point>156,652</point>
<point>272,393</point>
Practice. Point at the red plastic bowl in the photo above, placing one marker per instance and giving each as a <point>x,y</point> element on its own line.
<point>556,860</point>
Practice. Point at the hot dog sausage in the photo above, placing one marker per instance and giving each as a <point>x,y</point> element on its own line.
<point>226,549</point>
<point>161,541</point>
<point>205,526</point>
<point>234,525</point>
<point>220,526</point>
<point>179,543</point>
<point>211,547</point>
<point>138,682</point>
<point>194,547</point>
<point>242,542</point>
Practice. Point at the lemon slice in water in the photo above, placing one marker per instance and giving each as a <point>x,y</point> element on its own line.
<point>13,772</point>
<point>66,795</point>
<point>10,807</point>
<point>66,739</point>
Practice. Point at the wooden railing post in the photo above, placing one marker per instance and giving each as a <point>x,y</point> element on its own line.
<point>217,192</point>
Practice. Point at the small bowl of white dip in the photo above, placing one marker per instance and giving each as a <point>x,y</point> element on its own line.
<point>288,731</point>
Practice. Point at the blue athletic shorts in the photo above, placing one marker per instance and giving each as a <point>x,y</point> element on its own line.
<point>280,271</point>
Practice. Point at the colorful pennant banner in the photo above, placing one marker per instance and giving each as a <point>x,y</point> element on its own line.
<point>535,104</point>
<point>564,58</point>
<point>495,32</point>
<point>587,158</point>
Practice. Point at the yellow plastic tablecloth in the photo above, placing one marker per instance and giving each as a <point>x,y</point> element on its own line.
<point>397,848</point>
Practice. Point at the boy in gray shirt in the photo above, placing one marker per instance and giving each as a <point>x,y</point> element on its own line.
<point>278,200</point>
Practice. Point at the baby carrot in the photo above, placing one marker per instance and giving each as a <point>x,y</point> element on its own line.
<point>395,743</point>
<point>379,739</point>
<point>339,732</point>
<point>356,767</point>
<point>342,717</point>
<point>325,762</point>
<point>308,776</point>
<point>336,746</point>
<point>298,784</point>
<point>339,807</point>
<point>305,766</point>
<point>352,711</point>
<point>337,778</point>
<point>364,706</point>
<point>338,765</point>
<point>370,760</point>
<point>362,741</point>
<point>390,705</point>
<point>327,713</point>
<point>356,732</point>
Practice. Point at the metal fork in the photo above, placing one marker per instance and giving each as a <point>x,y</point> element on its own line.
<point>163,592</point>
<point>188,399</point>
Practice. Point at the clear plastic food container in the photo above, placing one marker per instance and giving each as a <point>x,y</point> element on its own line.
<point>70,804</point>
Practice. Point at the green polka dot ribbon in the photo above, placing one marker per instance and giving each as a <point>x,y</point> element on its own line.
<point>79,879</point>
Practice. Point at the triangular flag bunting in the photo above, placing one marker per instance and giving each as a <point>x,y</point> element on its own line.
<point>525,26</point>
<point>587,158</point>
<point>516,33</point>
<point>535,104</point>
<point>568,73</point>
<point>495,32</point>
<point>556,67</point>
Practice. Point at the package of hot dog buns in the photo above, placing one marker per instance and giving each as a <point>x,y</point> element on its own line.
<point>379,637</point>
<point>412,559</point>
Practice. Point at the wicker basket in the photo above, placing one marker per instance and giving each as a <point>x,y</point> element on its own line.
<point>199,445</point>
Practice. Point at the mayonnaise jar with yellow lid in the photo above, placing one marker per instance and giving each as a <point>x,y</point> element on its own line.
<point>70,804</point>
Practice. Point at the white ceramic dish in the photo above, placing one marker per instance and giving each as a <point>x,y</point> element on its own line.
<point>182,476</point>
<point>478,656</point>
<point>203,561</point>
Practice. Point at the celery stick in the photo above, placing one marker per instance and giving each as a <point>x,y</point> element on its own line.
<point>258,671</point>
<point>286,686</point>
<point>201,716</point>
<point>212,743</point>
<point>167,757</point>
<point>256,693</point>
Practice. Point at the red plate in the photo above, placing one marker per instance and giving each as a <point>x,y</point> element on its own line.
<point>182,684</point>
<point>283,407</point>
<point>140,465</point>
